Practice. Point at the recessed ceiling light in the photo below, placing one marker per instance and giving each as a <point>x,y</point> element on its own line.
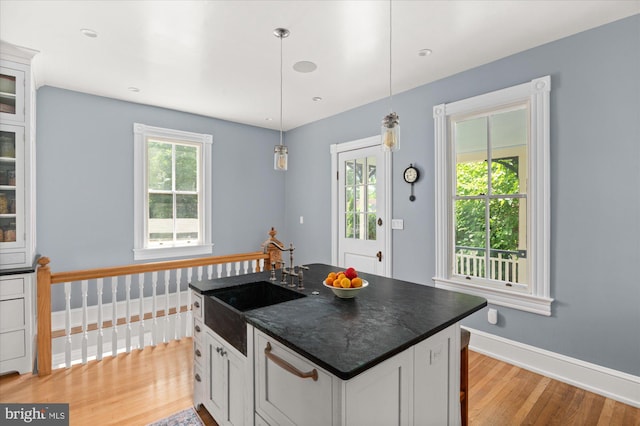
<point>316,99</point>
<point>305,66</point>
<point>424,52</point>
<point>133,89</point>
<point>89,32</point>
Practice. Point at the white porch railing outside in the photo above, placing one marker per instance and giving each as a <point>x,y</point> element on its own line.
<point>503,267</point>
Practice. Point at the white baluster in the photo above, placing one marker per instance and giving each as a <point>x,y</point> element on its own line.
<point>199,273</point>
<point>229,265</point>
<point>261,263</point>
<point>166,334</point>
<point>246,266</point>
<point>210,271</point>
<point>114,316</point>
<point>237,265</point>
<point>85,331</point>
<point>219,269</point>
<point>141,311</point>
<point>154,307</point>
<point>127,286</point>
<point>177,323</point>
<point>67,325</point>
<point>99,288</point>
<point>189,328</point>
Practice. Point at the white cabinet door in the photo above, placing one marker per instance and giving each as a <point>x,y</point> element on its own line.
<point>225,382</point>
<point>437,379</point>
<point>216,383</point>
<point>388,385</point>
<point>284,398</point>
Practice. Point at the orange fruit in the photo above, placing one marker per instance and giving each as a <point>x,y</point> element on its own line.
<point>340,276</point>
<point>329,281</point>
<point>331,275</point>
<point>356,282</point>
<point>345,282</point>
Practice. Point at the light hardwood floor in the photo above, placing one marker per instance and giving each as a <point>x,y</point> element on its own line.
<point>148,385</point>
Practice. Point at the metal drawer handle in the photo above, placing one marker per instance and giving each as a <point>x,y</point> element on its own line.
<point>196,304</point>
<point>198,378</point>
<point>290,368</point>
<point>197,327</point>
<point>198,352</point>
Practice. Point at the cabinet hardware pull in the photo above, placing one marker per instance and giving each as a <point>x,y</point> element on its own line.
<point>290,368</point>
<point>197,327</point>
<point>196,304</point>
<point>198,378</point>
<point>198,353</point>
<point>379,256</point>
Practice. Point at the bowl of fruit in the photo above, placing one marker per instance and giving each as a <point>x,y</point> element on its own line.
<point>345,284</point>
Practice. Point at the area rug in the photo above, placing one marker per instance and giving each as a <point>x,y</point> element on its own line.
<point>187,417</point>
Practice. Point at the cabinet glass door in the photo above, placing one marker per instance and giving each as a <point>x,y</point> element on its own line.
<point>11,94</point>
<point>11,186</point>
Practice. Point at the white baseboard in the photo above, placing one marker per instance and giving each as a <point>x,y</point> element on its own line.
<point>594,378</point>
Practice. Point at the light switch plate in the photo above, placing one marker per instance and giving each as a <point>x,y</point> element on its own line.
<point>397,224</point>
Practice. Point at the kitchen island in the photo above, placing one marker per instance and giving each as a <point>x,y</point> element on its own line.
<point>391,353</point>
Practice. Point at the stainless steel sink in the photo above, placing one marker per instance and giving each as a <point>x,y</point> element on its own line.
<point>225,307</point>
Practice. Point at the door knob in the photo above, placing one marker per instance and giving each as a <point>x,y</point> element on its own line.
<point>379,256</point>
<point>379,221</point>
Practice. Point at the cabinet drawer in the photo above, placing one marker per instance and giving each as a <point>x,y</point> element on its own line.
<point>11,287</point>
<point>284,398</point>
<point>198,352</point>
<point>12,314</point>
<point>197,305</point>
<point>12,345</point>
<point>198,331</point>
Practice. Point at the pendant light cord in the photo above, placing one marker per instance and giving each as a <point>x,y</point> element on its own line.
<point>390,57</point>
<point>281,83</point>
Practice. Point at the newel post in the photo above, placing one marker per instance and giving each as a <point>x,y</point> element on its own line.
<point>44,317</point>
<point>274,254</point>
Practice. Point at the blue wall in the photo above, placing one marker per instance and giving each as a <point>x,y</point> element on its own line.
<point>85,180</point>
<point>595,176</point>
<point>85,185</point>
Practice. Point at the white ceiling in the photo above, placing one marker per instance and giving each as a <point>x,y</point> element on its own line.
<point>221,59</point>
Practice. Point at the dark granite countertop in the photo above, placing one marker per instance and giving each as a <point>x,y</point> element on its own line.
<point>349,336</point>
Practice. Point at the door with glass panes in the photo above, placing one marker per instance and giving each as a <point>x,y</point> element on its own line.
<point>361,210</point>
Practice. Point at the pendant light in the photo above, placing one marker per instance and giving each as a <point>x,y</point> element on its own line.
<point>280,152</point>
<point>390,131</point>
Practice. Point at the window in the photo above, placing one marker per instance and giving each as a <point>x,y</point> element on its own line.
<point>172,204</point>
<point>360,198</point>
<point>492,196</point>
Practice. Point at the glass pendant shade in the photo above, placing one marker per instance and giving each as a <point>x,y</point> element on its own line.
<point>391,132</point>
<point>280,158</point>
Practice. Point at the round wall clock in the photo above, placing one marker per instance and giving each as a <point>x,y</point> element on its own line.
<point>411,176</point>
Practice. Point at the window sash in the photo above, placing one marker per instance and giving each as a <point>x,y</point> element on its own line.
<point>144,249</point>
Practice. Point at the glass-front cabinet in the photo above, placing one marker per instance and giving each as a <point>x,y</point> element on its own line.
<point>12,189</point>
<point>12,96</point>
<point>17,167</point>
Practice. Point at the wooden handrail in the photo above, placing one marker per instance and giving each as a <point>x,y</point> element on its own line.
<point>45,278</point>
<point>114,271</point>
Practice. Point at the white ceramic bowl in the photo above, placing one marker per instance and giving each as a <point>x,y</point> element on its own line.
<point>346,293</point>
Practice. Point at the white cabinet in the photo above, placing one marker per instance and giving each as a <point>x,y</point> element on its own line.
<point>289,389</point>
<point>220,377</point>
<point>16,319</point>
<point>17,153</point>
<point>198,350</point>
<point>415,387</point>
<point>225,381</point>
<point>388,385</point>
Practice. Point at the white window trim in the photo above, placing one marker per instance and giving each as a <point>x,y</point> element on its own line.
<point>536,92</point>
<point>140,251</point>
